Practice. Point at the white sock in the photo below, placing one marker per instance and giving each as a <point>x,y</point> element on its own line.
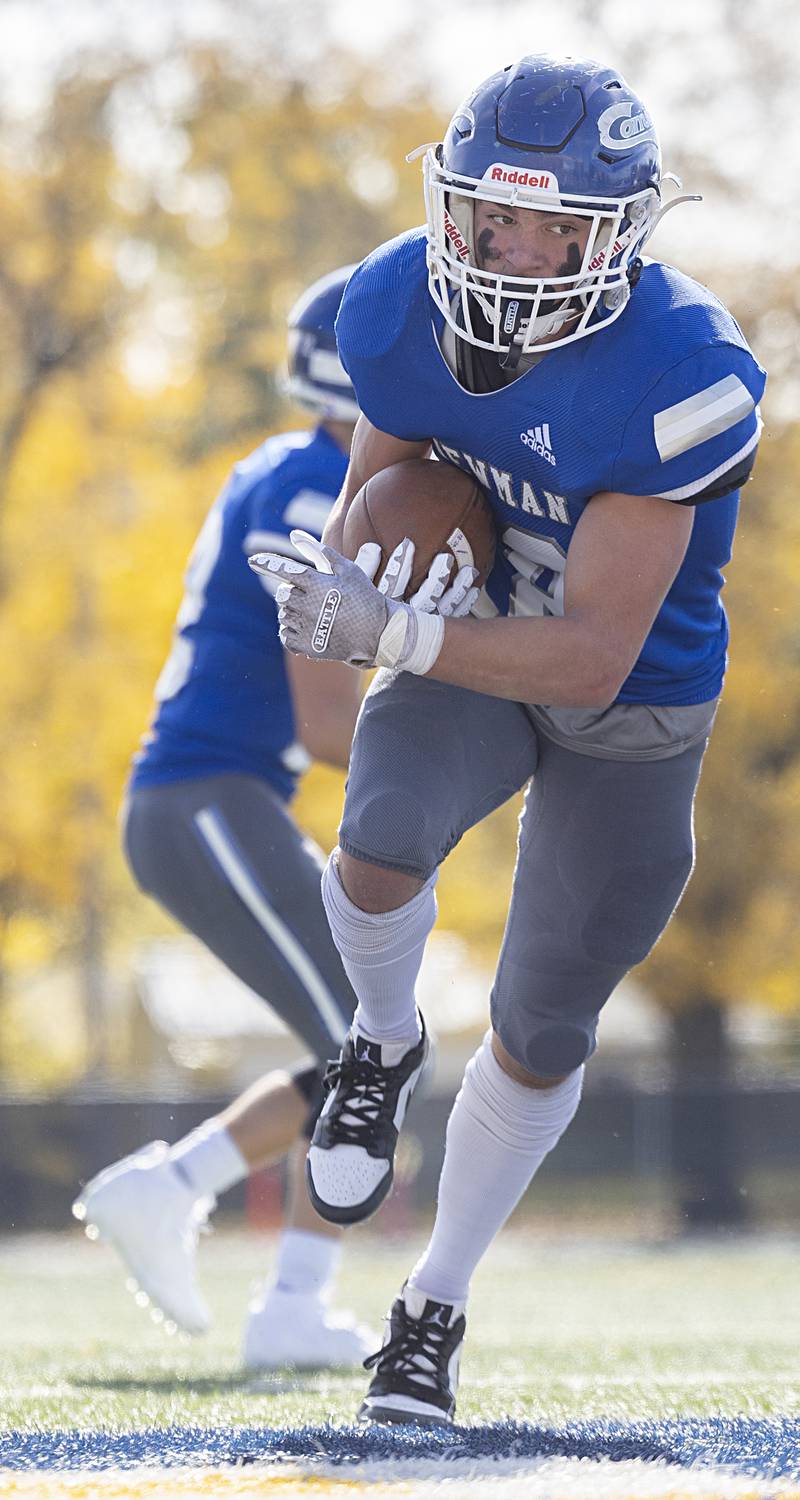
<point>381,953</point>
<point>306,1262</point>
<point>209,1160</point>
<point>498,1135</point>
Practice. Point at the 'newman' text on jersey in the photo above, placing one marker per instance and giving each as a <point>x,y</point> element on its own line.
<point>500,482</point>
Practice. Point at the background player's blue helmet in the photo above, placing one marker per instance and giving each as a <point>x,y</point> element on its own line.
<point>551,134</point>
<point>316,376</point>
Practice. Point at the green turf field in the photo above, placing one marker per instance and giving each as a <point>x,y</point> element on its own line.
<point>559,1330</point>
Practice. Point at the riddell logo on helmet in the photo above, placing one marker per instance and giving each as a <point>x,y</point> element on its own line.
<point>596,262</point>
<point>518,177</point>
<point>454,234</point>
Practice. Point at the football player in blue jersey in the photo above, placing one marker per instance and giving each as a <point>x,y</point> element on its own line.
<point>209,834</point>
<point>608,405</point>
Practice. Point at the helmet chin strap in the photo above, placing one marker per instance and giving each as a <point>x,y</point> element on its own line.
<point>511,323</point>
<point>517,328</point>
<point>535,329</point>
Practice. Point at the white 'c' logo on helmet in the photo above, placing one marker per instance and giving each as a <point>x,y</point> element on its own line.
<point>620,128</point>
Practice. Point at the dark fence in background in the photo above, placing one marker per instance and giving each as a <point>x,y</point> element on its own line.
<point>709,1154</point>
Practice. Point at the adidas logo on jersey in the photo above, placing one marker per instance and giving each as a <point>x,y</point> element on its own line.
<point>538,438</point>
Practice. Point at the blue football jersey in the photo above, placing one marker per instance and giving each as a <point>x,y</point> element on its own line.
<point>223,701</point>
<point>663,402</point>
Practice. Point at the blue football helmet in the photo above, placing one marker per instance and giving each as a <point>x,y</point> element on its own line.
<point>557,135</point>
<point>316,376</point>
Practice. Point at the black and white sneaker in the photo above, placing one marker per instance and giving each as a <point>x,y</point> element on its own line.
<point>416,1370</point>
<point>349,1169</point>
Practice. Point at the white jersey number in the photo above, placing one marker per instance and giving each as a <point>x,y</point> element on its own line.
<point>531,557</point>
<point>202,561</point>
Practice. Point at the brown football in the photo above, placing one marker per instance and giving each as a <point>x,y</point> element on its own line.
<point>440,507</point>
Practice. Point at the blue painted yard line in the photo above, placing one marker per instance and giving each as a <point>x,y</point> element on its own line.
<point>761,1448</point>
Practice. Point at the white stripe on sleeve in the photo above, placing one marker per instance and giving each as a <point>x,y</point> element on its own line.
<point>309,509</point>
<point>700,417</point>
<point>325,365</point>
<point>270,541</point>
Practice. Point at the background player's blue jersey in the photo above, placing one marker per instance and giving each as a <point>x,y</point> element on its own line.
<point>223,698</point>
<point>662,402</point>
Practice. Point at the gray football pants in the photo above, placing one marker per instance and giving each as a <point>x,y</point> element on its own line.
<point>223,855</point>
<point>605,847</point>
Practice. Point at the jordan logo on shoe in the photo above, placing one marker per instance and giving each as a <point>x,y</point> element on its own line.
<point>437,1314</point>
<point>367,1051</point>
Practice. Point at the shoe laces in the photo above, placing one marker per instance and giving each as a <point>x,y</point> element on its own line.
<point>363,1086</point>
<point>416,1351</point>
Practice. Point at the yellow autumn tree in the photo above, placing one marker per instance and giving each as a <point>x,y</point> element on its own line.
<point>145,315</point>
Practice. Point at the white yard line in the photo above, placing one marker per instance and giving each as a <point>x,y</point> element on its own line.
<point>536,1479</point>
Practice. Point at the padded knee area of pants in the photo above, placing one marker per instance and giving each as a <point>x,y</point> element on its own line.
<point>632,911</point>
<point>556,1048</point>
<point>394,831</point>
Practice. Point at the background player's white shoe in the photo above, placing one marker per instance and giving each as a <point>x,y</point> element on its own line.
<point>152,1217</point>
<point>294,1328</point>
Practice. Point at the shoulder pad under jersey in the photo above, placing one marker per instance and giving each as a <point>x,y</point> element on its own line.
<point>375,302</point>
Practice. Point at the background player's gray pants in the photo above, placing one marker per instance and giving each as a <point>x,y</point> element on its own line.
<point>223,855</point>
<point>605,846</point>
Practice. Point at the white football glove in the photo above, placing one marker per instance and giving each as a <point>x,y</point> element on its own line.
<point>332,610</point>
<point>455,601</point>
<point>433,595</point>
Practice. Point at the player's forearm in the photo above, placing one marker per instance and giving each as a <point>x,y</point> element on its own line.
<point>554,660</point>
<point>333,531</point>
<point>358,472</point>
<point>325,700</point>
<point>329,743</point>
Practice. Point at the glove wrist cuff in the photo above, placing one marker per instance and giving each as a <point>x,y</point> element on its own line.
<point>410,640</point>
<point>427,645</point>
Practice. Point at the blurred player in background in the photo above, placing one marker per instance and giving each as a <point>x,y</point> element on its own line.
<point>208,833</point>
<point>609,407</point>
